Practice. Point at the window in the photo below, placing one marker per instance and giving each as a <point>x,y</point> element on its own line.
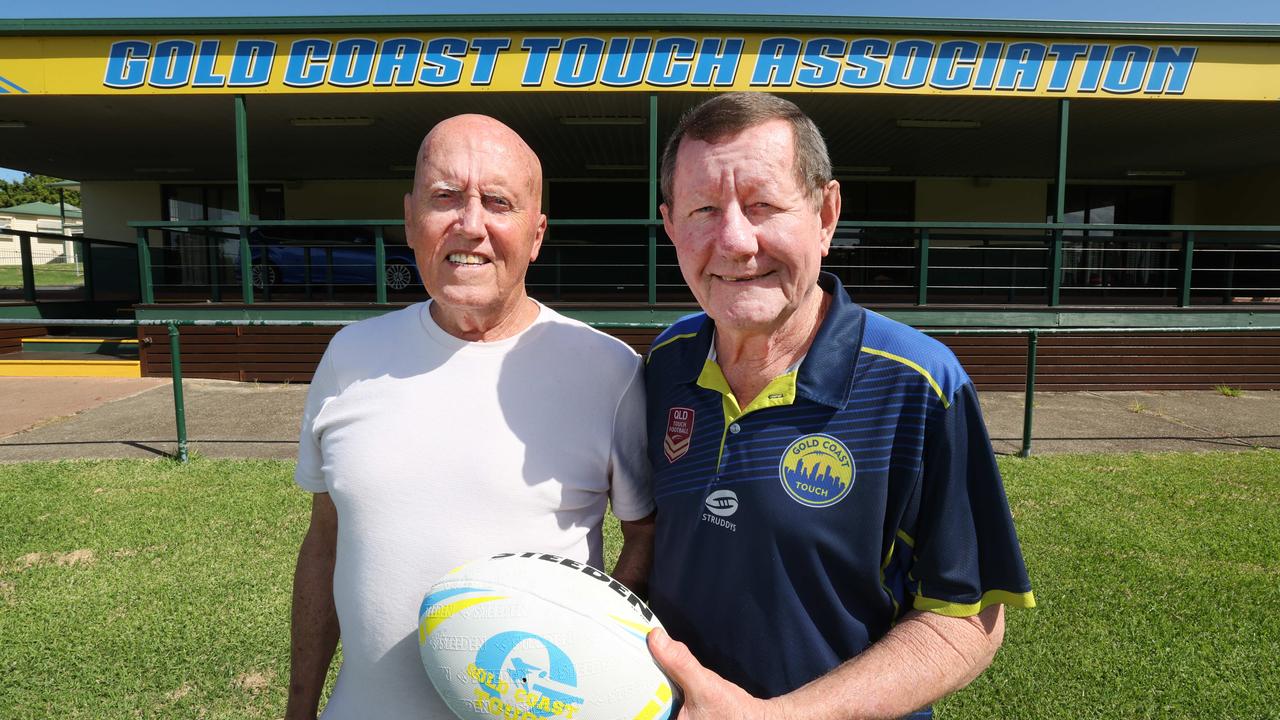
<point>1097,263</point>
<point>201,258</point>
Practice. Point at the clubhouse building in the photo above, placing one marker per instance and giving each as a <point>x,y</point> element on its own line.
<point>995,175</point>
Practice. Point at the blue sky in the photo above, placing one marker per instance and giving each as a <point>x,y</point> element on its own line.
<point>1227,11</point>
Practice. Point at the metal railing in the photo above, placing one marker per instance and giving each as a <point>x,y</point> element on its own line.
<point>85,267</point>
<point>1033,336</point>
<point>920,263</point>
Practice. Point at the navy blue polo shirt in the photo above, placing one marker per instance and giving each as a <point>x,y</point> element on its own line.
<point>794,531</point>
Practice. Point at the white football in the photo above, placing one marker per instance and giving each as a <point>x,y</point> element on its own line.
<point>531,636</point>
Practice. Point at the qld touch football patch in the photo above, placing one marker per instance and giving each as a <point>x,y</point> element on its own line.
<point>679,430</point>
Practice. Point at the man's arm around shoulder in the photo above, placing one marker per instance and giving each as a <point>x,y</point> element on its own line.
<point>922,659</point>
<point>636,556</point>
<point>314,627</point>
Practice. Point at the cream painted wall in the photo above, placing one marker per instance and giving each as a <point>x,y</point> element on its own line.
<point>109,206</point>
<point>1185,203</point>
<point>980,199</point>
<point>1251,198</point>
<point>346,199</point>
<point>43,250</point>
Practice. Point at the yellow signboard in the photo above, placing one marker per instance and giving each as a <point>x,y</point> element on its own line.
<point>610,61</point>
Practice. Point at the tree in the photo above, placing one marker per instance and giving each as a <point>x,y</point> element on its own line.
<point>34,188</point>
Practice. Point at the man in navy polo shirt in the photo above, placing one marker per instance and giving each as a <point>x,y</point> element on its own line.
<point>833,538</point>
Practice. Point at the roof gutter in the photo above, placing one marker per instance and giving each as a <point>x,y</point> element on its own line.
<point>637,21</point>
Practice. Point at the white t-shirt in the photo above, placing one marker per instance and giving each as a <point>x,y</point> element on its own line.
<point>437,451</point>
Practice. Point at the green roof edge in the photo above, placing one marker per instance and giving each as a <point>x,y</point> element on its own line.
<point>664,22</point>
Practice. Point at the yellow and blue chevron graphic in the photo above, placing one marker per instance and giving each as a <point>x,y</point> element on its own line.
<point>9,86</point>
<point>435,610</point>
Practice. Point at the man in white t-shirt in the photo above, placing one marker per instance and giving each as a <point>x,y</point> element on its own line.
<point>478,422</point>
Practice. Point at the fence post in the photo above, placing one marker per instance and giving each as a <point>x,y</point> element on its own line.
<point>144,268</point>
<point>215,277</point>
<point>651,282</point>
<point>179,409</point>
<point>86,264</point>
<point>28,268</point>
<point>246,266</point>
<point>1029,400</point>
<point>1055,268</point>
<point>379,265</point>
<point>1188,249</point>
<point>922,277</point>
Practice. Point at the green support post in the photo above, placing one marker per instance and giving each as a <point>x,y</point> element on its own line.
<point>242,199</point>
<point>144,268</point>
<point>652,281</point>
<point>379,265</point>
<point>215,277</point>
<point>922,277</point>
<point>1188,251</point>
<point>28,269</point>
<point>1055,268</point>
<point>1060,208</point>
<point>179,409</point>
<point>246,267</point>
<point>1064,117</point>
<point>1029,400</point>
<point>86,265</point>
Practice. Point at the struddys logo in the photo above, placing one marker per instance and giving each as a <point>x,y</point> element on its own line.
<point>521,675</point>
<point>816,470</point>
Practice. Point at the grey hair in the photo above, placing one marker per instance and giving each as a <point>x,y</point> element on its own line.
<point>724,116</point>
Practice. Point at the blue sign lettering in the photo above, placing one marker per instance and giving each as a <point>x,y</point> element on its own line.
<point>670,64</point>
<point>866,63</point>
<point>952,70</point>
<point>1170,70</point>
<point>1022,64</point>
<point>443,61</point>
<point>776,64</point>
<point>398,60</point>
<point>352,62</point>
<point>487,60</point>
<point>205,60</point>
<point>579,62</point>
<point>127,64</point>
<point>625,62</point>
<point>717,66</point>
<point>171,63</point>
<point>1126,69</point>
<point>536,64</point>
<point>251,64</point>
<point>820,68</point>
<point>305,67</point>
<point>910,64</point>
<point>1064,58</point>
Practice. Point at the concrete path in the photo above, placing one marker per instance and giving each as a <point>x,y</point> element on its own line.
<point>28,402</point>
<point>224,419</point>
<point>55,418</point>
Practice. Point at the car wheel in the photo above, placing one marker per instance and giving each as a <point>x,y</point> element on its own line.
<point>399,276</point>
<point>264,275</point>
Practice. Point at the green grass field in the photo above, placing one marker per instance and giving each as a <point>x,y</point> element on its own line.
<point>48,274</point>
<point>151,589</point>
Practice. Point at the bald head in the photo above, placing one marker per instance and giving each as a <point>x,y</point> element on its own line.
<point>495,144</point>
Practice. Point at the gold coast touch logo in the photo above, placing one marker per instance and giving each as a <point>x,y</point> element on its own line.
<point>816,470</point>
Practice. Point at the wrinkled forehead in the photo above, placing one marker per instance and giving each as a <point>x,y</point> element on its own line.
<point>758,155</point>
<point>477,156</point>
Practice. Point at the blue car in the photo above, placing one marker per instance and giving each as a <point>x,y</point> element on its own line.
<point>322,256</point>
